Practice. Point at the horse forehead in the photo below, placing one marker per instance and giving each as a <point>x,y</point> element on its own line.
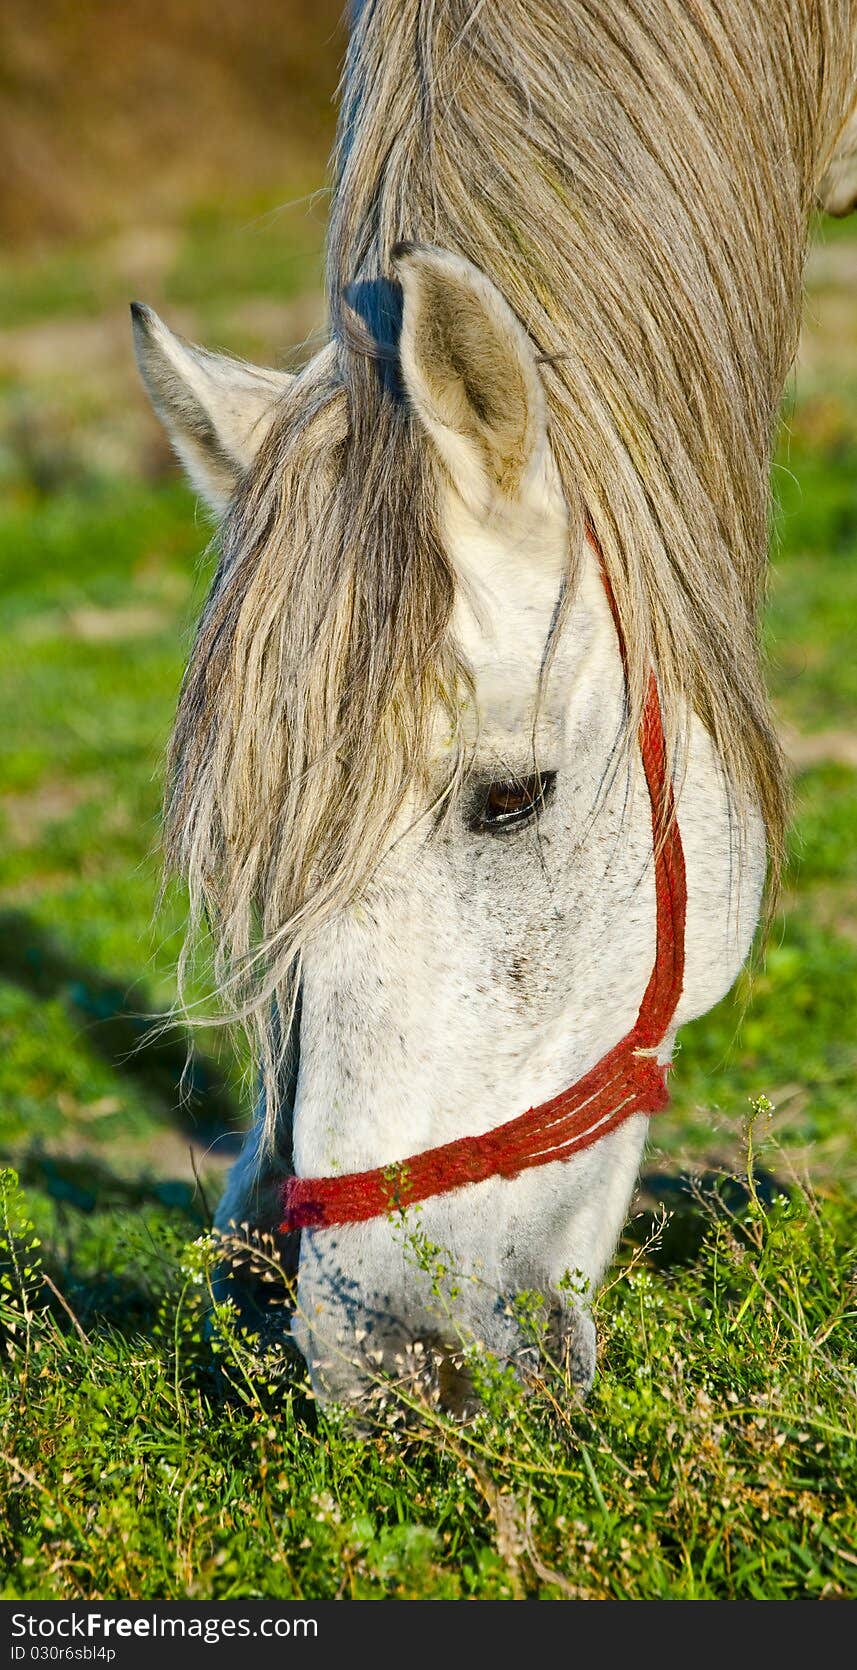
<point>509,583</point>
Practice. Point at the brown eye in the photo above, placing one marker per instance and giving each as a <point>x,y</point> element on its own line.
<point>509,804</point>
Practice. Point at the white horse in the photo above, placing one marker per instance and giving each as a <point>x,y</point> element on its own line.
<point>454,900</point>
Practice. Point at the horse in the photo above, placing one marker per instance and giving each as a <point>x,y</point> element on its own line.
<point>473,783</point>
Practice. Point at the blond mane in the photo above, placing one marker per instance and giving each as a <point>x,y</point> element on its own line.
<point>638,180</point>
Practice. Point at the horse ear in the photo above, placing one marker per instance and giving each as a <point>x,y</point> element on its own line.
<point>471,373</point>
<point>838,190</point>
<point>216,410</point>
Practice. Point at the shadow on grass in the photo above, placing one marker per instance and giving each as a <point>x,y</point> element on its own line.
<point>675,1210</point>
<point>111,1243</point>
<point>87,1185</point>
<point>117,1025</point>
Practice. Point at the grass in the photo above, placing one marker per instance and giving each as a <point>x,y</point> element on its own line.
<point>715,1457</point>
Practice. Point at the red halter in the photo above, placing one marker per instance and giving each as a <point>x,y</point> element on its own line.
<point>627,1080</point>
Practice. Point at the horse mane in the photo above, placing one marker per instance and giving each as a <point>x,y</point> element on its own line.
<point>319,666</point>
<point>638,181</point>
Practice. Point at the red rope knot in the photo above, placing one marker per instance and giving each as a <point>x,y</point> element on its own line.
<point>650,1079</point>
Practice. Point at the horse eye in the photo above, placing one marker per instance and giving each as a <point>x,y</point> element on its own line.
<point>507,805</point>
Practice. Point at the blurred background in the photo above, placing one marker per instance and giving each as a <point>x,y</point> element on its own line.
<point>177,153</point>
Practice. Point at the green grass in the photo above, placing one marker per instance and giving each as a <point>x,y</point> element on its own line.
<point>715,1457</point>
